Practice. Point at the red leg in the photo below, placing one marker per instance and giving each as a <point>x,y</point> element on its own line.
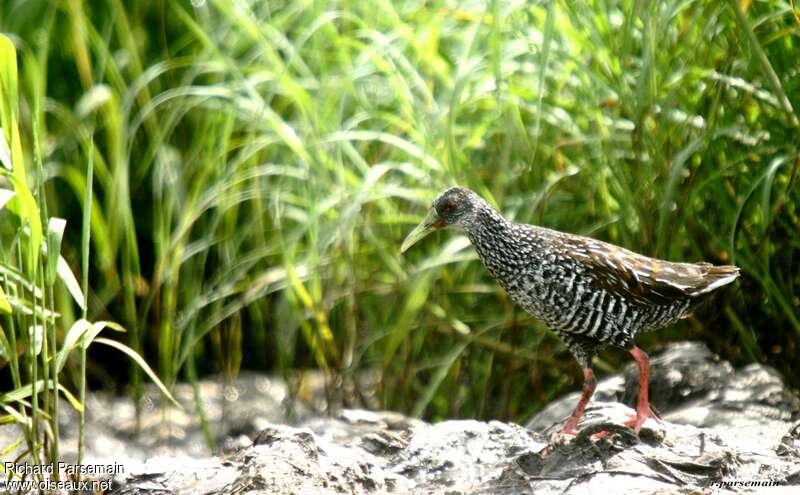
<point>589,384</point>
<point>643,410</point>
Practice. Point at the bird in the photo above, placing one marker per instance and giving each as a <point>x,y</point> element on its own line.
<point>590,293</point>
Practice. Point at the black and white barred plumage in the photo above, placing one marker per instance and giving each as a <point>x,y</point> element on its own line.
<point>590,293</point>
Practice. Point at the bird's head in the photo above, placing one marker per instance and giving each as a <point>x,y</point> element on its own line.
<point>454,208</point>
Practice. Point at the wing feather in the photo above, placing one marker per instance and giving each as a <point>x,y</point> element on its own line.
<point>646,280</point>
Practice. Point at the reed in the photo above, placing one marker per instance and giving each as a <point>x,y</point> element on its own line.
<point>257,163</point>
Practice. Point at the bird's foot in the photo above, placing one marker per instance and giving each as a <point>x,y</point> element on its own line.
<point>555,441</point>
<point>601,434</point>
<point>605,430</point>
<point>611,428</point>
<point>562,437</point>
<point>655,415</point>
<point>568,430</point>
<point>594,431</point>
<point>635,421</point>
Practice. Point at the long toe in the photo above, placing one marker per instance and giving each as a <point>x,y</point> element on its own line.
<point>634,424</point>
<point>568,430</point>
<point>636,421</point>
<point>655,415</point>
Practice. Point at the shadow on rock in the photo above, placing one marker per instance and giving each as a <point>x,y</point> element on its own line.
<point>720,427</point>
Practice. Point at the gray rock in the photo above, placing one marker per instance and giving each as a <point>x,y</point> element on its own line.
<point>235,412</point>
<point>473,457</point>
<point>690,385</point>
<point>721,429</point>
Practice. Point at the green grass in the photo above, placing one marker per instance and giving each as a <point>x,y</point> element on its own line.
<point>31,267</point>
<point>256,165</point>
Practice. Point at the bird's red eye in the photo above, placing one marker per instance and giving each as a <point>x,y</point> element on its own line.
<point>450,206</point>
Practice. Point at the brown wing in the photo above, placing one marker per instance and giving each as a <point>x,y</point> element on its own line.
<point>648,281</point>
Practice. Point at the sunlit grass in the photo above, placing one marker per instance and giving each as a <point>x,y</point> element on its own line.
<point>256,165</point>
<point>32,268</point>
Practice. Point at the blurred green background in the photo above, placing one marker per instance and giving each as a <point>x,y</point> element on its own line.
<point>257,164</point>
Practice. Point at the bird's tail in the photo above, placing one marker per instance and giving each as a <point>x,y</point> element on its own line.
<point>714,278</point>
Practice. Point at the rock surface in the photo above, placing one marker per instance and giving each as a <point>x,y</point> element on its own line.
<point>722,431</point>
<point>720,427</point>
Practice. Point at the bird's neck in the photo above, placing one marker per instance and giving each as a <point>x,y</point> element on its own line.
<point>494,240</point>
<point>488,220</point>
